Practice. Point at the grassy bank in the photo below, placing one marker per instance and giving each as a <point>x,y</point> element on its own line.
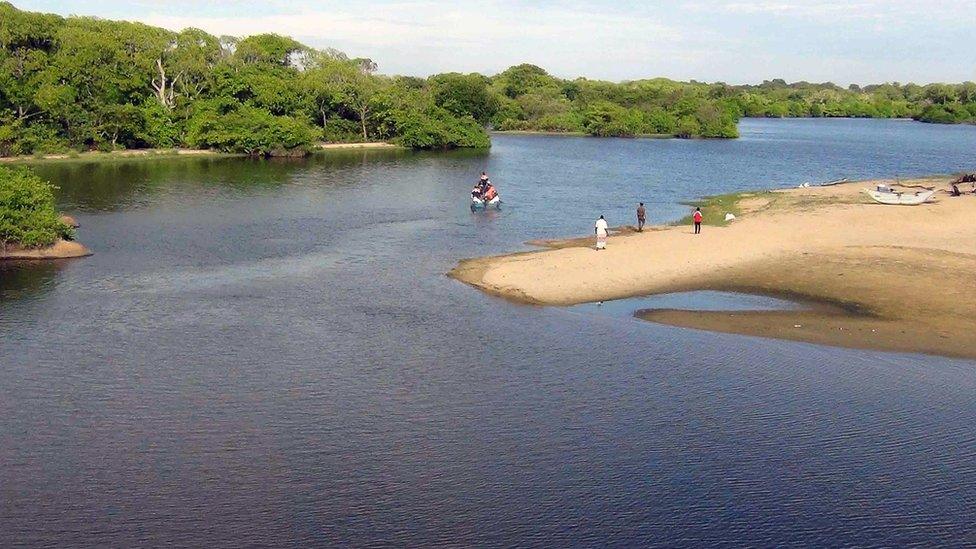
<point>153,154</point>
<point>113,155</point>
<point>715,207</point>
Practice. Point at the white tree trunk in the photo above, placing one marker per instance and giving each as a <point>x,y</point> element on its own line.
<point>163,93</point>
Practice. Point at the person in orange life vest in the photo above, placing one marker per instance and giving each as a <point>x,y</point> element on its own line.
<point>490,193</point>
<point>697,218</point>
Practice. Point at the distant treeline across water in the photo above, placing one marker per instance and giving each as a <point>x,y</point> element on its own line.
<point>82,83</point>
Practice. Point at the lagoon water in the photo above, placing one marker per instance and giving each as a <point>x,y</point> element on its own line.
<point>269,353</point>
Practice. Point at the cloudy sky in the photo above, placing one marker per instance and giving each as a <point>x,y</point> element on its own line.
<point>860,41</point>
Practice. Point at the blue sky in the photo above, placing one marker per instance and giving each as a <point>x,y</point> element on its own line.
<point>860,41</point>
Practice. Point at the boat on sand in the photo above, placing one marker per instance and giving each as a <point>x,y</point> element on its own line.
<point>900,198</point>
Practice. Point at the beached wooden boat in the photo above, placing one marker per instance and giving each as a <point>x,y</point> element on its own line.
<point>899,198</point>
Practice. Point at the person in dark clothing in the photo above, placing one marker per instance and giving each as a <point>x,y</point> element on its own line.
<point>641,217</point>
<point>484,182</point>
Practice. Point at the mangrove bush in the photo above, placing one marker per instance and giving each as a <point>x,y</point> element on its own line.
<point>28,218</point>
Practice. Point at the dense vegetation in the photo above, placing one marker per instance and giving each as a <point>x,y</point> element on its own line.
<point>530,99</point>
<point>82,83</point>
<point>942,103</point>
<point>27,215</point>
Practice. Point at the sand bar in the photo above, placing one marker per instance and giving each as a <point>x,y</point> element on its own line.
<point>62,249</point>
<point>164,153</point>
<point>896,278</point>
<point>111,155</point>
<point>367,145</point>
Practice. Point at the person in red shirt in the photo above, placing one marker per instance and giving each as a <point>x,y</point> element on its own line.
<point>697,217</point>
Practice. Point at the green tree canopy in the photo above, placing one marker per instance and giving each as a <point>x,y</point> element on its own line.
<point>84,83</point>
<point>28,217</point>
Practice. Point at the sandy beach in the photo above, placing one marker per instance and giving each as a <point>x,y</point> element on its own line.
<point>163,153</point>
<point>62,249</point>
<point>368,145</point>
<point>123,154</point>
<point>894,278</point>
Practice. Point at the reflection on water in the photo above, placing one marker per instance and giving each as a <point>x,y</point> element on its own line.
<point>111,185</point>
<point>22,279</point>
<point>692,301</point>
<point>269,353</point>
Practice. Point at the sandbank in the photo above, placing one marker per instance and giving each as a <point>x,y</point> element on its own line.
<point>62,249</point>
<point>164,153</point>
<point>893,278</point>
<point>111,155</point>
<point>369,145</point>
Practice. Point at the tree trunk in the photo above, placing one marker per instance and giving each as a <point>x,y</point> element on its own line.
<point>362,118</point>
<point>160,89</point>
<point>171,98</point>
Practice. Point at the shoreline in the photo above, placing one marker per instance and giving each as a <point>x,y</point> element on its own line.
<point>583,134</point>
<point>129,154</point>
<point>366,145</point>
<point>891,278</point>
<point>114,155</point>
<point>62,249</point>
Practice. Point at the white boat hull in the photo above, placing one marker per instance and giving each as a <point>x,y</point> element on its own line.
<point>478,204</point>
<point>900,199</point>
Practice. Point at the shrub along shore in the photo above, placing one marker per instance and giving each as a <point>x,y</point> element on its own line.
<point>84,84</point>
<point>30,226</point>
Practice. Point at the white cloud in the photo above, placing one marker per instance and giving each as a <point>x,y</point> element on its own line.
<point>476,35</point>
<point>839,11</point>
<point>732,40</point>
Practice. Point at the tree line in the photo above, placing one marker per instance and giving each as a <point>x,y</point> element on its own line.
<point>83,83</point>
<point>527,98</point>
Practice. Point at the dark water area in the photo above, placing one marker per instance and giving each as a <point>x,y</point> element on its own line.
<point>269,353</point>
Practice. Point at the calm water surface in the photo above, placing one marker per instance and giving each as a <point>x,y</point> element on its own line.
<point>269,353</point>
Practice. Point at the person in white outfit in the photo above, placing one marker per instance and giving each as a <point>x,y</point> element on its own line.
<point>601,230</point>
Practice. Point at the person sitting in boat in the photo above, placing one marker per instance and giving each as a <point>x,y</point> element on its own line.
<point>484,182</point>
<point>490,192</point>
<point>476,192</point>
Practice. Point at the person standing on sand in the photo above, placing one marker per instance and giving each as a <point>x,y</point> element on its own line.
<point>601,230</point>
<point>641,216</point>
<point>697,218</point>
